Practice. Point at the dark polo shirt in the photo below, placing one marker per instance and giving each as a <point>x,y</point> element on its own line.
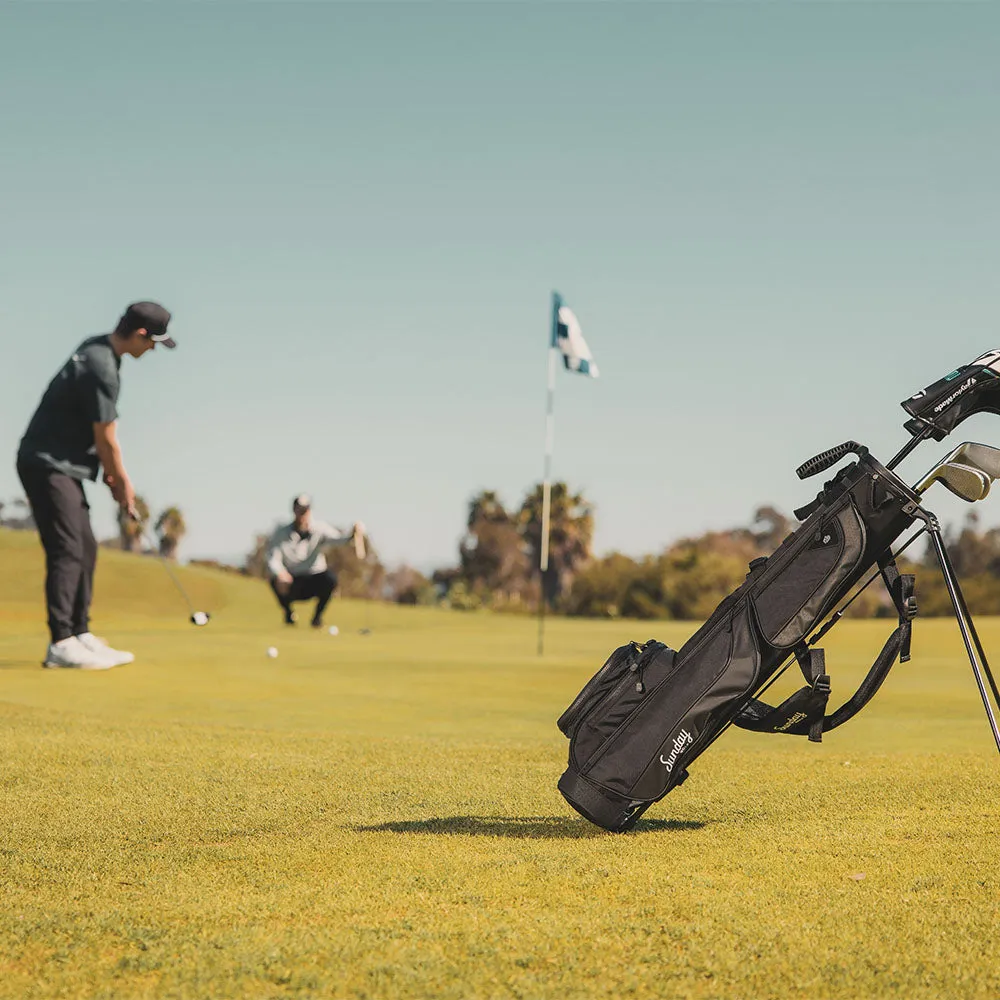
<point>83,393</point>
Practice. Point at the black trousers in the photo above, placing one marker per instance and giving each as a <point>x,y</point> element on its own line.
<point>304,588</point>
<point>62,515</point>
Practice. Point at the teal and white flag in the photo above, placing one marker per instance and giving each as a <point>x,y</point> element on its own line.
<point>569,339</point>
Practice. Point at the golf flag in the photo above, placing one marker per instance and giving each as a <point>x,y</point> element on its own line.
<point>569,339</point>
<point>566,339</point>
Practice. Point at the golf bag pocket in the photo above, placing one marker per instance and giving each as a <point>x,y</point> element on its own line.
<point>614,693</point>
<point>803,578</point>
<point>620,664</point>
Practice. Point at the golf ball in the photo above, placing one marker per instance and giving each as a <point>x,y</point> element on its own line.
<point>333,630</point>
<point>199,618</point>
<point>272,651</point>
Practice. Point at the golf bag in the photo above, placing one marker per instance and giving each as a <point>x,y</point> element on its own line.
<point>650,711</point>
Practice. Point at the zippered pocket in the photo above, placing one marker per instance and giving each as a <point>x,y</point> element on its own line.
<point>598,686</point>
<point>791,599</point>
<point>644,675</point>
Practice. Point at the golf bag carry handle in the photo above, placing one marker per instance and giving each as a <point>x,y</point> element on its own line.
<point>827,459</point>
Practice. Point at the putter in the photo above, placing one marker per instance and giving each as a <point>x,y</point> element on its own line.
<point>198,618</point>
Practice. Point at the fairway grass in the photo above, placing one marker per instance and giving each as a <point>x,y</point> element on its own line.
<point>376,816</point>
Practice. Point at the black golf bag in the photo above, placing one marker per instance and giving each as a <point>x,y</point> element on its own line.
<point>649,712</point>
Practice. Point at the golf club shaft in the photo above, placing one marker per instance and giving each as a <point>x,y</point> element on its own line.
<point>170,572</point>
<point>958,603</point>
<point>908,447</point>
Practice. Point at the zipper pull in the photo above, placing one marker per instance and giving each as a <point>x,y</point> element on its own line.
<point>633,668</point>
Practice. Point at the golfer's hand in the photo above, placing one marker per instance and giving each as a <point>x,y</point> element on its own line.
<point>358,531</point>
<point>124,494</point>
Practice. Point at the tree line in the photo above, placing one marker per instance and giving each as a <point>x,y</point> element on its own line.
<point>498,555</point>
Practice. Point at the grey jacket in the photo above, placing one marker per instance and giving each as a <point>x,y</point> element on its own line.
<point>302,555</point>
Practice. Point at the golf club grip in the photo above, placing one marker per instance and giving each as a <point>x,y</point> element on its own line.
<point>826,459</point>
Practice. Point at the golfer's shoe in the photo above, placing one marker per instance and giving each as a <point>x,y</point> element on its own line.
<point>317,622</point>
<point>73,654</point>
<point>118,657</point>
<point>290,618</point>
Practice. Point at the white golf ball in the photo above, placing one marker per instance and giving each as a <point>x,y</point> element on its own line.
<point>272,651</point>
<point>333,630</point>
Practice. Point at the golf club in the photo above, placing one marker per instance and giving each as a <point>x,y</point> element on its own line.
<point>962,480</point>
<point>198,618</point>
<point>968,471</point>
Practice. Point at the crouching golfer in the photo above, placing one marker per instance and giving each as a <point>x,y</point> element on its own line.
<point>296,564</point>
<point>72,433</point>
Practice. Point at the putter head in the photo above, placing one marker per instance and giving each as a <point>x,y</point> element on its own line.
<point>200,618</point>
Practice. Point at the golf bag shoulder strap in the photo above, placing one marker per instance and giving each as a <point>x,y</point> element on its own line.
<point>900,587</point>
<point>804,712</point>
<point>800,713</point>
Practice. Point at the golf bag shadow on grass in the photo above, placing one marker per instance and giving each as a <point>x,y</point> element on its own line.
<point>649,712</point>
<point>516,827</point>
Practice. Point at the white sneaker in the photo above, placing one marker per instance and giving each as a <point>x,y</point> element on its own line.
<point>73,653</point>
<point>118,657</point>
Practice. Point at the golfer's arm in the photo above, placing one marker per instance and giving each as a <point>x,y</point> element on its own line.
<point>274,562</point>
<point>336,536</point>
<point>109,451</point>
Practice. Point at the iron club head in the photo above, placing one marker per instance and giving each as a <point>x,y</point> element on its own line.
<point>980,456</point>
<point>964,481</point>
<point>968,471</point>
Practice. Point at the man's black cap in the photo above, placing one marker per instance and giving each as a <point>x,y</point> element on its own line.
<point>151,317</point>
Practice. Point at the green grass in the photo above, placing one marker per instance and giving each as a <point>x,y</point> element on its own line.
<point>376,816</point>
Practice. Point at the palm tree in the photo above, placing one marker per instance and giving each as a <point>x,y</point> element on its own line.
<point>171,528</point>
<point>492,553</point>
<point>131,531</point>
<point>571,531</point>
<point>487,506</point>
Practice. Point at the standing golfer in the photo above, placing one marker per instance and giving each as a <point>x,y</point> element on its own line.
<point>72,433</point>
<point>296,564</point>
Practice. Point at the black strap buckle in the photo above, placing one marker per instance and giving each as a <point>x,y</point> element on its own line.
<point>822,685</point>
<point>909,610</point>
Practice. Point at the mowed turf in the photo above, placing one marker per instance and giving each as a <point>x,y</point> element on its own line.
<point>376,816</point>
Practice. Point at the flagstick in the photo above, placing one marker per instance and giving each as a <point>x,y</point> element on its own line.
<point>550,430</point>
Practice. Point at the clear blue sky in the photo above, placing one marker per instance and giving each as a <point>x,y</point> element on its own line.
<point>774,221</point>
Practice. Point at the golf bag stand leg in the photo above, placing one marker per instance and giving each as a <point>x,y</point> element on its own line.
<point>973,646</point>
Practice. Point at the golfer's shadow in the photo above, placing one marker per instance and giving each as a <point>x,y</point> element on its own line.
<point>520,827</point>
